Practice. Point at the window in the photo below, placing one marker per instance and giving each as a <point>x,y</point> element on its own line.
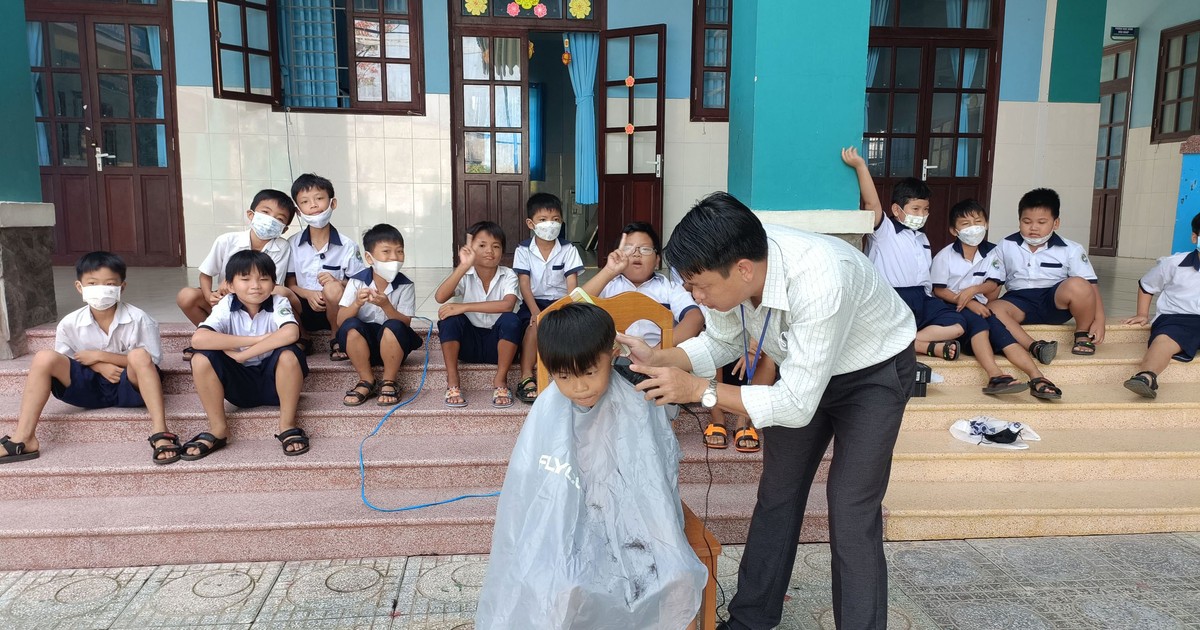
<point>712,30</point>
<point>320,55</point>
<point>1177,95</point>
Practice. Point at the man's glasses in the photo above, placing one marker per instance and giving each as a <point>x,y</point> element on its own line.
<point>630,250</point>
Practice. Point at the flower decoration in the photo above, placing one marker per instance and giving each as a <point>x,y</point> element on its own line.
<point>513,9</point>
<point>539,10</point>
<point>629,129</point>
<point>629,81</point>
<point>528,4</point>
<point>476,7</point>
<point>580,9</point>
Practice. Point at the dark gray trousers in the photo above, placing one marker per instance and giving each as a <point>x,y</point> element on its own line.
<point>861,412</point>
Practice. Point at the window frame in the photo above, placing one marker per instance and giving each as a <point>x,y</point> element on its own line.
<point>1161,71</point>
<point>700,113</point>
<point>216,46</point>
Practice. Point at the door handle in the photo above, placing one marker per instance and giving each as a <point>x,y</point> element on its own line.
<point>100,155</point>
<point>925,166</point>
<point>658,164</point>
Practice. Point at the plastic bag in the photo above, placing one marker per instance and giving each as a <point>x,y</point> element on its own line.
<point>589,528</point>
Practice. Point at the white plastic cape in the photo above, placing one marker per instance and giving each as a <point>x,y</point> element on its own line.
<point>589,528</point>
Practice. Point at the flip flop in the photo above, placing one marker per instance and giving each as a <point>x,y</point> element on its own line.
<point>15,452</point>
<point>1044,389</point>
<point>501,392</point>
<point>455,392</point>
<point>1144,384</point>
<point>173,447</point>
<point>1044,351</point>
<point>294,435</point>
<point>1004,384</point>
<point>749,434</point>
<point>718,430</point>
<point>215,445</point>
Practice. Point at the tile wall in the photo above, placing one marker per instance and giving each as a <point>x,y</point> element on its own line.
<point>1149,196</point>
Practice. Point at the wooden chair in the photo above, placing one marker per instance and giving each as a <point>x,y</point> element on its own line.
<point>626,309</point>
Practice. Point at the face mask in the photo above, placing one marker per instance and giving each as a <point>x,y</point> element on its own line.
<point>973,235</point>
<point>914,222</point>
<point>547,230</point>
<point>318,220</point>
<point>101,297</point>
<point>1037,242</point>
<point>266,226</point>
<point>388,270</point>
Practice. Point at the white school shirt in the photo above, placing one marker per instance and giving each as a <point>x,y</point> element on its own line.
<point>660,289</point>
<point>340,257</point>
<point>1176,281</point>
<point>950,270</point>
<point>231,243</point>
<point>901,255</point>
<point>130,329</point>
<point>400,292</point>
<point>1055,261</point>
<point>831,313</point>
<point>229,317</point>
<point>470,289</point>
<point>547,276</point>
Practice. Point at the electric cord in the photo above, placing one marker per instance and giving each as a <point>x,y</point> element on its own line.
<point>722,600</point>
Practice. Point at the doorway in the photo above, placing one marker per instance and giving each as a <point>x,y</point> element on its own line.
<point>1116,84</point>
<point>105,114</point>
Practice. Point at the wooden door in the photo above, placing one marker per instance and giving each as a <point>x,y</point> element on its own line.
<point>104,97</point>
<point>1116,83</point>
<point>490,131</point>
<point>632,71</point>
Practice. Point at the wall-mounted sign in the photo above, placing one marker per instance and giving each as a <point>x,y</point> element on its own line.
<point>1123,33</point>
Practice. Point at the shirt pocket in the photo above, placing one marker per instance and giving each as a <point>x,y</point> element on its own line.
<point>1052,265</point>
<point>331,268</point>
<point>558,267</point>
<point>979,274</point>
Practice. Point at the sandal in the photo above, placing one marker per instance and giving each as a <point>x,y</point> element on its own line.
<point>359,397</point>
<point>391,389</point>
<point>949,349</point>
<point>714,430</point>
<point>336,353</point>
<point>1084,346</point>
<point>1004,384</point>
<point>1044,351</point>
<point>746,435</point>
<point>172,448</point>
<point>188,353</point>
<point>213,445</point>
<point>502,393</point>
<point>1044,389</point>
<point>15,452</point>
<point>294,435</point>
<point>1144,384</point>
<point>454,392</point>
<point>527,390</point>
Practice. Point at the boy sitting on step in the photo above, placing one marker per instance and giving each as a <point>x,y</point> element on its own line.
<point>105,354</point>
<point>246,353</point>
<point>959,276</point>
<point>1175,333</point>
<point>375,318</point>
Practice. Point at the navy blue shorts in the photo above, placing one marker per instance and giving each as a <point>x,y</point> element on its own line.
<point>928,310</point>
<point>1183,330</point>
<point>373,334</point>
<point>91,391</point>
<point>1038,305</point>
<point>998,335</point>
<point>251,385</point>
<point>523,313</point>
<point>312,320</point>
<point>478,345</point>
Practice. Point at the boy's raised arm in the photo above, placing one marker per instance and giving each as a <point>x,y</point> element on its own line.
<point>466,258</point>
<point>866,186</point>
<point>618,260</point>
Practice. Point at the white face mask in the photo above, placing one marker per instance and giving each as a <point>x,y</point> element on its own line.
<point>319,220</point>
<point>547,230</point>
<point>388,270</point>
<point>972,235</point>
<point>914,222</point>
<point>1037,242</point>
<point>101,297</point>
<point>266,226</point>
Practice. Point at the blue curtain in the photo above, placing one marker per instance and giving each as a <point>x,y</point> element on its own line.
<point>585,55</point>
<point>962,161</point>
<point>37,58</point>
<point>154,43</point>
<point>537,148</point>
<point>308,53</point>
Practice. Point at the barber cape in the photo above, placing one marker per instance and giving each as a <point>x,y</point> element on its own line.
<point>589,528</point>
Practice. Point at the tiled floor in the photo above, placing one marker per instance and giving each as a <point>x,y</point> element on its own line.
<point>1144,582</point>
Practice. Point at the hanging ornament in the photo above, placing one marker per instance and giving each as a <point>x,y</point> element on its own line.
<point>539,10</point>
<point>566,56</point>
<point>513,9</point>
<point>580,9</point>
<point>629,129</point>
<point>476,7</point>
<point>629,81</point>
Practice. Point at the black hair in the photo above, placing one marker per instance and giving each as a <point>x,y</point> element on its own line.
<point>1039,198</point>
<point>966,208</point>
<point>645,228</point>
<point>249,260</point>
<point>908,189</point>
<point>279,197</point>
<point>716,233</point>
<point>490,228</point>
<point>571,338</point>
<point>542,201</point>
<point>1195,228</point>
<point>99,260</point>
<point>309,181</point>
<point>381,233</point>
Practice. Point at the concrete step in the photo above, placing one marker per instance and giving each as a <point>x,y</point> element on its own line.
<point>1113,363</point>
<point>297,525</point>
<point>1114,332</point>
<point>1014,508</point>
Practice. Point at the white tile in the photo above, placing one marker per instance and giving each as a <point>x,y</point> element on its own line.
<point>427,160</point>
<point>1167,175</point>
<point>1069,165</point>
<point>370,159</point>
<point>443,115</point>
<point>227,202</point>
<point>225,156</point>
<point>250,188</point>
<point>397,126</point>
<point>428,247</point>
<point>371,204</point>
<point>446,167</point>
<point>431,206</point>
<point>222,116</point>
<point>256,156</point>
<point>323,125</point>
<point>253,118</point>
<point>281,168</point>
<point>400,206</point>
<point>333,158</point>
<point>192,109</point>
<point>197,201</point>
<point>398,160</point>
<point>368,126</point>
<point>198,239</point>
<point>428,126</point>
<point>194,157</point>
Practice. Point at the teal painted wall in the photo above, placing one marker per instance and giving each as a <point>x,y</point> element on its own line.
<point>677,15</point>
<point>18,161</point>
<point>1151,16</point>
<point>1075,64</point>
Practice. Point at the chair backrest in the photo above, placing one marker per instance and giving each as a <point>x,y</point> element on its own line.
<point>625,309</point>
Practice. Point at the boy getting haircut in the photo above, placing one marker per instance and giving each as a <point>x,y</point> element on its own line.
<point>574,337</point>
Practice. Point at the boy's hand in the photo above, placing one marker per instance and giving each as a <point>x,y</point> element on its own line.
<point>111,373</point>
<point>316,300</point>
<point>325,278</point>
<point>618,260</point>
<point>88,357</point>
<point>533,316</point>
<point>1097,329</point>
<point>466,253</point>
<point>363,296</point>
<point>223,290</point>
<point>739,367</point>
<point>975,306</point>
<point>852,159</point>
<point>374,296</point>
<point>1137,320</point>
<point>449,309</point>
<point>214,297</point>
<point>965,297</point>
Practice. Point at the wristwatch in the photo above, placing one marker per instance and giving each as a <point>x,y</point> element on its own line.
<point>709,398</point>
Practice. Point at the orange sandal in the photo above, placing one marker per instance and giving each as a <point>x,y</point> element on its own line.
<point>747,434</point>
<point>717,430</point>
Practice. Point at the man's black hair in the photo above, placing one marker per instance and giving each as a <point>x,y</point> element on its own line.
<point>99,260</point>
<point>1039,198</point>
<point>908,189</point>
<point>490,228</point>
<point>573,337</point>
<point>645,228</point>
<point>966,208</point>
<point>716,233</point>
<point>279,197</point>
<point>310,181</point>
<point>381,233</point>
<point>249,260</point>
<point>542,201</point>
<point>1195,228</point>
